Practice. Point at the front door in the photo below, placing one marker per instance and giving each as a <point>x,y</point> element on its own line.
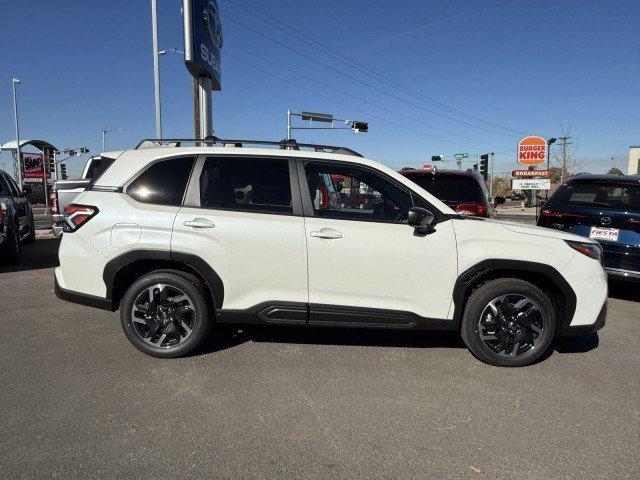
<point>366,265</point>
<point>241,218</point>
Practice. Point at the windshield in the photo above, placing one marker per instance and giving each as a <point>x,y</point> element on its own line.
<point>450,188</point>
<point>606,194</point>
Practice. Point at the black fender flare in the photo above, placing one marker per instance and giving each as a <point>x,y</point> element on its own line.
<point>194,262</point>
<point>485,268</point>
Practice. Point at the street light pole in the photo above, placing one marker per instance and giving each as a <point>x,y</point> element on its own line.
<point>156,67</point>
<point>14,82</point>
<point>104,133</point>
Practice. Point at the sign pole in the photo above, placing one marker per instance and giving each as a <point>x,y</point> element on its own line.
<point>15,81</point>
<point>205,118</point>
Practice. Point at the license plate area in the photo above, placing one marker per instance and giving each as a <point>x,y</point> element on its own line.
<point>606,234</point>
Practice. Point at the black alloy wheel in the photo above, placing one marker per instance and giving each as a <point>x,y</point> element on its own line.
<point>508,322</point>
<point>166,314</point>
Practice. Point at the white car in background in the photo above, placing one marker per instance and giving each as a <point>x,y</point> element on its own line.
<point>179,238</point>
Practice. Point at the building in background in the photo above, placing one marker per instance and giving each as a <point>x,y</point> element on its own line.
<point>634,160</point>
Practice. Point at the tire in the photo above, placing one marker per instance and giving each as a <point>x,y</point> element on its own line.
<point>31,238</point>
<point>184,322</point>
<point>508,323</point>
<point>12,249</point>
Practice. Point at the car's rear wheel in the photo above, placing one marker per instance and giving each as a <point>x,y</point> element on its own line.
<point>165,314</point>
<point>508,322</point>
<point>12,250</point>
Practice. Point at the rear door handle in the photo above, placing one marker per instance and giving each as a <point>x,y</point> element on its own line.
<point>199,223</point>
<point>328,233</point>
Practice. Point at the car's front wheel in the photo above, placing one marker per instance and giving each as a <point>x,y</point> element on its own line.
<point>165,314</point>
<point>508,322</point>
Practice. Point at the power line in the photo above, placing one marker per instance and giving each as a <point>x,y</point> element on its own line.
<point>351,77</point>
<point>363,100</point>
<point>336,55</point>
<point>338,102</point>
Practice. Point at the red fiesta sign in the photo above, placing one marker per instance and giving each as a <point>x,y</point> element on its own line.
<point>532,151</point>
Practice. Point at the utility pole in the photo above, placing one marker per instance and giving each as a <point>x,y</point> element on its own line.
<point>156,67</point>
<point>565,141</point>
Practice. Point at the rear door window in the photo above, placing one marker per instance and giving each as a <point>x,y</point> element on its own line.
<point>606,195</point>
<point>163,183</point>
<point>450,188</point>
<point>261,185</point>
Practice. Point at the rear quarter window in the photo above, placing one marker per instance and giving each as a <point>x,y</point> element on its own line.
<point>163,183</point>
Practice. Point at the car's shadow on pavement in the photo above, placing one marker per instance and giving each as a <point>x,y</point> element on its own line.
<point>223,338</point>
<point>41,254</point>
<point>624,290</point>
<point>227,338</point>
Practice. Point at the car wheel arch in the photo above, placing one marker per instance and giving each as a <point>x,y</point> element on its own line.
<point>541,275</point>
<point>120,272</point>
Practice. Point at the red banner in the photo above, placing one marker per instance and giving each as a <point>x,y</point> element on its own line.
<point>32,166</point>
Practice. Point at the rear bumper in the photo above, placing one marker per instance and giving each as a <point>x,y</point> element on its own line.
<point>586,329</point>
<point>82,298</point>
<point>622,274</point>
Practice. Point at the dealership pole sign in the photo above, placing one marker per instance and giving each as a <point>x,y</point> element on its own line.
<point>203,39</point>
<point>532,151</point>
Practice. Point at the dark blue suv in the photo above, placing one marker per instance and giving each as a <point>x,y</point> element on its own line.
<point>605,208</point>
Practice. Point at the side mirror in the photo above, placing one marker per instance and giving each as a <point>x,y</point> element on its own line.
<point>421,219</point>
<point>498,201</point>
<point>26,190</point>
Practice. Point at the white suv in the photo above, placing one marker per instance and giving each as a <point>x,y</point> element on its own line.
<point>179,238</point>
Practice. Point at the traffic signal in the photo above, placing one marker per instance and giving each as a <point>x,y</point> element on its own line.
<point>484,166</point>
<point>52,165</point>
<point>63,171</point>
<point>359,127</point>
<point>72,153</point>
<point>84,150</point>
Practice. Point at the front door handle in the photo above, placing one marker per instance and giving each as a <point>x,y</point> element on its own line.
<point>199,223</point>
<point>329,233</point>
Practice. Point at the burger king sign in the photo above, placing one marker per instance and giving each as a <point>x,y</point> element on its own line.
<point>532,151</point>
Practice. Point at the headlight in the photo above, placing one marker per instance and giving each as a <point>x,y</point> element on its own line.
<point>591,250</point>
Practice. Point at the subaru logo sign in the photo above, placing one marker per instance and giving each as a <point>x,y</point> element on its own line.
<point>211,17</point>
<point>202,39</point>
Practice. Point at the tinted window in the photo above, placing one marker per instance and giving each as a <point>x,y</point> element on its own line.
<point>251,184</point>
<point>351,193</point>
<point>450,188</point>
<point>608,195</point>
<point>4,186</point>
<point>98,166</point>
<point>163,183</point>
<point>13,186</point>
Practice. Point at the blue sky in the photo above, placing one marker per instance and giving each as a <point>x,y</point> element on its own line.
<point>529,66</point>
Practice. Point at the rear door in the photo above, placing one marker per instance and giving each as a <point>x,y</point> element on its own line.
<point>243,217</point>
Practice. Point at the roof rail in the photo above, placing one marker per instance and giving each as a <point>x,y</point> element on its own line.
<point>290,144</point>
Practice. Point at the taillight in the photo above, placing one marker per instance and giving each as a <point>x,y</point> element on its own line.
<point>77,215</point>
<point>545,212</point>
<point>3,213</point>
<point>53,201</point>
<point>473,209</point>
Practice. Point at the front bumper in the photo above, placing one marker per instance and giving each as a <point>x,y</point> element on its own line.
<point>586,329</point>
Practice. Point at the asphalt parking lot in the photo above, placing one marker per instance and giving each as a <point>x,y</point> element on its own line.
<point>78,401</point>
